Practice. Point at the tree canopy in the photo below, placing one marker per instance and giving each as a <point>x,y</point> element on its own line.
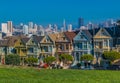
<point>12,59</point>
<point>65,58</point>
<point>31,60</point>
<point>111,55</point>
<point>87,57</point>
<point>49,60</point>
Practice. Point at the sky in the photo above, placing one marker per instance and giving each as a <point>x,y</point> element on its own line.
<point>54,11</point>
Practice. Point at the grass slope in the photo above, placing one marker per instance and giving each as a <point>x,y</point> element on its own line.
<point>30,75</point>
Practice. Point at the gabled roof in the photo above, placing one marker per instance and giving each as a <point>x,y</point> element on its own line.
<point>110,31</point>
<point>3,43</point>
<point>94,31</point>
<point>38,39</point>
<point>25,40</point>
<point>70,35</point>
<point>10,41</point>
<point>88,34</point>
<point>61,38</point>
<point>53,37</point>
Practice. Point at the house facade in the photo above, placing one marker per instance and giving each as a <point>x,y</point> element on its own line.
<point>82,45</point>
<point>46,47</point>
<point>62,44</point>
<point>102,41</point>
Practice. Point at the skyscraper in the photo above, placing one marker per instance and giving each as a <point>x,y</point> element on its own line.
<point>90,25</point>
<point>70,27</point>
<point>4,27</point>
<point>25,29</point>
<point>35,26</point>
<point>30,25</point>
<point>80,22</point>
<point>10,27</point>
<point>64,25</point>
<point>55,28</point>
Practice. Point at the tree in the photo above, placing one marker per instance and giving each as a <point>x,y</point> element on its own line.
<point>111,55</point>
<point>65,58</point>
<point>49,60</point>
<point>87,57</point>
<point>12,59</point>
<point>31,60</point>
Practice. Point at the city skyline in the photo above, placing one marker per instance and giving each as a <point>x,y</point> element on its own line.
<point>53,12</point>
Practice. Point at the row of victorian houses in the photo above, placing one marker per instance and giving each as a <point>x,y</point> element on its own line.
<point>76,43</point>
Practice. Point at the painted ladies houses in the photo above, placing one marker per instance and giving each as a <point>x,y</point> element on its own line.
<point>82,45</point>
<point>103,41</point>
<point>63,43</point>
<point>70,36</point>
<point>7,46</point>
<point>32,46</point>
<point>46,47</point>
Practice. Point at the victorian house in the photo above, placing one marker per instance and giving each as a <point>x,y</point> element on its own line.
<point>46,47</point>
<point>82,45</point>
<point>103,41</point>
<point>63,43</point>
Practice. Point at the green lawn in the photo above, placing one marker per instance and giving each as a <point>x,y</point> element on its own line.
<point>30,75</point>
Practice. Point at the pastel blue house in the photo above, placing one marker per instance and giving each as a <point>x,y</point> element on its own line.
<point>82,45</point>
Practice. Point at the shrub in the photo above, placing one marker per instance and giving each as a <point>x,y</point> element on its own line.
<point>31,60</point>
<point>111,56</point>
<point>12,59</point>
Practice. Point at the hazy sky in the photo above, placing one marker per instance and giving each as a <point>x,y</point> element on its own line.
<point>54,11</point>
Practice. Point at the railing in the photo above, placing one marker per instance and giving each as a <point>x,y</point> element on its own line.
<point>63,50</point>
<point>77,49</point>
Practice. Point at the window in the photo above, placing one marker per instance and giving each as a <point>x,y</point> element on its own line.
<point>77,56</point>
<point>105,43</point>
<point>61,47</point>
<point>80,45</point>
<point>84,45</point>
<point>64,38</point>
<point>67,46</point>
<point>30,50</point>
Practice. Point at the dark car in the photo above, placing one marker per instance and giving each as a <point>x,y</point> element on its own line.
<point>114,67</point>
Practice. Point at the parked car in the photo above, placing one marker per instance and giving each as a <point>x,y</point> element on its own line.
<point>114,67</point>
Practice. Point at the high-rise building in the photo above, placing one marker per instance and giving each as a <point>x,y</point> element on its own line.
<point>62,29</point>
<point>90,25</point>
<point>50,26</point>
<point>30,25</point>
<point>80,22</point>
<point>4,27</point>
<point>35,26</point>
<point>25,29</point>
<point>70,27</point>
<point>55,28</point>
<point>64,25</point>
<point>10,27</point>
